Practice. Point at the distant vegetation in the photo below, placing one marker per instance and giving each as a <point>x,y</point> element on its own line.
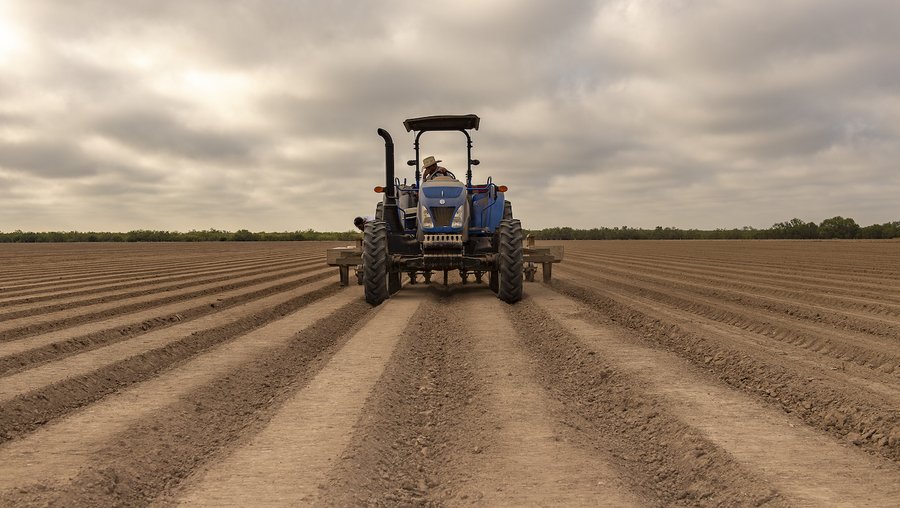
<point>794,229</point>
<point>146,235</point>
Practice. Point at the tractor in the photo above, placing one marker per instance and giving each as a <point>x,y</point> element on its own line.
<point>441,224</point>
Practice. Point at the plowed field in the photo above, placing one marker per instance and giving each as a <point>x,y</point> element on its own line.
<point>646,374</point>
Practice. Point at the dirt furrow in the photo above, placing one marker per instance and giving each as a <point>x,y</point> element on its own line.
<point>31,352</point>
<point>51,276</point>
<point>839,313</point>
<point>523,455</point>
<point>141,463</point>
<point>810,295</point>
<point>849,261</point>
<point>807,467</point>
<point>456,419</point>
<point>286,462</point>
<point>63,295</point>
<point>660,454</point>
<point>88,377</point>
<point>26,326</point>
<point>874,305</point>
<point>831,280</point>
<point>83,274</point>
<point>57,451</point>
<point>99,295</point>
<point>420,410</point>
<point>827,399</point>
<point>881,354</point>
<point>876,383</point>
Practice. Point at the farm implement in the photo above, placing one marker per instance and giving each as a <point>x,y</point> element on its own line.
<point>438,223</point>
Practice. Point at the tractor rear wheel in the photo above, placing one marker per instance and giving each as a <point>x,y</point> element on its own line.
<point>509,286</point>
<point>375,262</point>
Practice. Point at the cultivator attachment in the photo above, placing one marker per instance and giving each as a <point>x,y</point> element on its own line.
<point>350,258</point>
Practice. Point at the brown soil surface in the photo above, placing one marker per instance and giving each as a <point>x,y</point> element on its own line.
<point>646,374</point>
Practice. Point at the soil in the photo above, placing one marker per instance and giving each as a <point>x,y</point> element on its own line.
<point>686,373</point>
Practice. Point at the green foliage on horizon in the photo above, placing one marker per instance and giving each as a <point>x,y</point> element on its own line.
<point>794,229</point>
<point>147,235</point>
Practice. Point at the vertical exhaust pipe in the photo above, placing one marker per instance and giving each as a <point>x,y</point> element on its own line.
<point>388,162</point>
<point>391,214</point>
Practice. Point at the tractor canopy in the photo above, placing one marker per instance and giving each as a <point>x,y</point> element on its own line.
<point>442,123</point>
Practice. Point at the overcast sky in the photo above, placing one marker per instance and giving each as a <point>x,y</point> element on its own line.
<point>179,115</point>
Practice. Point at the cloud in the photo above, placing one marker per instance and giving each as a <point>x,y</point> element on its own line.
<point>262,115</point>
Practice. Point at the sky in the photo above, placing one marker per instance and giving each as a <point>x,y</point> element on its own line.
<point>262,115</point>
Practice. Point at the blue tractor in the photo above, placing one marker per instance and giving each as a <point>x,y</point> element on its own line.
<point>441,224</point>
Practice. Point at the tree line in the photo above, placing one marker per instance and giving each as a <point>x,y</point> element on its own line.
<point>149,235</point>
<point>794,229</point>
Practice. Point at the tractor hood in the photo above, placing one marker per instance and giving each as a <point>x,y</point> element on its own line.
<point>442,206</point>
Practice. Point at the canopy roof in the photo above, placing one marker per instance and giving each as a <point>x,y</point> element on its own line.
<point>442,123</point>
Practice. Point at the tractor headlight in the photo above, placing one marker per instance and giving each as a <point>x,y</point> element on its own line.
<point>427,221</point>
<point>457,218</point>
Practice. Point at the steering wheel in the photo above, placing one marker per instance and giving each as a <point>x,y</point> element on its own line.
<point>447,173</point>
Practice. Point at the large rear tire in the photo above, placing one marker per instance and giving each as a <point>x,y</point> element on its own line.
<point>507,210</point>
<point>375,262</point>
<point>509,287</point>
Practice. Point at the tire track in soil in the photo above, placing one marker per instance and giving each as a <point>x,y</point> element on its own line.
<point>663,457</point>
<point>140,464</point>
<point>440,428</point>
<point>28,411</point>
<point>285,463</point>
<point>419,410</point>
<point>808,468</point>
<point>24,327</point>
<point>55,452</point>
<point>31,352</point>
<point>523,455</point>
<point>823,398</point>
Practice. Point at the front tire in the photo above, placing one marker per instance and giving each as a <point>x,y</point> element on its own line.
<point>510,260</point>
<point>375,262</point>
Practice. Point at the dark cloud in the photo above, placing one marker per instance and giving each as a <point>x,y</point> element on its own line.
<point>47,159</point>
<point>158,133</point>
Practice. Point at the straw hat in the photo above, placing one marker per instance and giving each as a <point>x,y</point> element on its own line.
<point>429,161</point>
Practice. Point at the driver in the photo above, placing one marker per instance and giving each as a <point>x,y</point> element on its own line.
<point>431,168</point>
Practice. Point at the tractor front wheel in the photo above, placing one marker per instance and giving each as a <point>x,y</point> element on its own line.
<point>375,262</point>
<point>509,269</point>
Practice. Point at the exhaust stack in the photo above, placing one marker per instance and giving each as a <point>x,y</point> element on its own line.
<point>388,162</point>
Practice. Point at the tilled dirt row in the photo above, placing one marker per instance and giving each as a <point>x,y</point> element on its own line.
<point>70,267</point>
<point>596,389</point>
<point>776,291</point>
<point>877,349</point>
<point>841,381</point>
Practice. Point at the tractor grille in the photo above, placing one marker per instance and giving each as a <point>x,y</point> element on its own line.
<point>442,215</point>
